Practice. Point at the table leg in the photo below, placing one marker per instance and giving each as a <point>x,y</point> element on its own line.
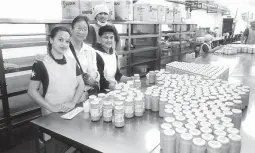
<point>39,142</point>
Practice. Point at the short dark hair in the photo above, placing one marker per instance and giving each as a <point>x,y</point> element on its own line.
<point>104,29</point>
<point>78,19</point>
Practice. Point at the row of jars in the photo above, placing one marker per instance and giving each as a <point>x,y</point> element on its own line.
<point>234,49</point>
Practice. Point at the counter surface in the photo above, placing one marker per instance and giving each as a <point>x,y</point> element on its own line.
<point>140,134</point>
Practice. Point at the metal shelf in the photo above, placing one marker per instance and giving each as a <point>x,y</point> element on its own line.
<point>145,49</point>
<point>144,61</point>
<point>170,34</point>
<point>140,36</point>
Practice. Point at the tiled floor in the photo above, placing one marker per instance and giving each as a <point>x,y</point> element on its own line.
<point>242,69</point>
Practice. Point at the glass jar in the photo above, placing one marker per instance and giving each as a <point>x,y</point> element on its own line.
<point>225,144</point>
<point>155,102</point>
<point>163,127</point>
<point>95,111</point>
<point>129,108</point>
<point>152,77</point>
<point>214,147</point>
<point>162,103</point>
<point>148,99</point>
<point>138,107</point>
<point>198,145</point>
<point>107,111</point>
<point>169,140</point>
<point>119,116</point>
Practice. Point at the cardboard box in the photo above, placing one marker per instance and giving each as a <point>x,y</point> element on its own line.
<point>169,14</point>
<point>177,14</point>
<point>123,10</point>
<point>87,7</point>
<point>161,13</point>
<point>141,12</point>
<point>145,12</point>
<point>70,8</point>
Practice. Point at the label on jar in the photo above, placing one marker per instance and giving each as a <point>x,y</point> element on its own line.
<point>138,108</point>
<point>129,109</point>
<point>95,112</point>
<point>107,112</point>
<point>119,118</point>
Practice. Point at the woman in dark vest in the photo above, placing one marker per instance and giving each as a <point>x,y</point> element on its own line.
<point>107,60</point>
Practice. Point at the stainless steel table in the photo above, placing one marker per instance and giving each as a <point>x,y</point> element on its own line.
<point>140,134</point>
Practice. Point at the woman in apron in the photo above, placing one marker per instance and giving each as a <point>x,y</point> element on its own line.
<point>101,14</point>
<point>60,78</point>
<point>84,54</point>
<point>206,47</point>
<point>107,60</point>
<point>249,34</point>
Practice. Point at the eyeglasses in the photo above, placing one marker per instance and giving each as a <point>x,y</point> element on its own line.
<point>81,29</point>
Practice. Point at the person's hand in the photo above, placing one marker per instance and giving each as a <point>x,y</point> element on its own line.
<point>39,57</point>
<point>67,107</point>
<point>55,108</point>
<point>112,85</point>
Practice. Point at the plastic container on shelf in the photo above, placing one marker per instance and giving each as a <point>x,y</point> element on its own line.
<point>94,110</point>
<point>185,143</point>
<point>155,102</point>
<point>119,120</point>
<point>214,147</point>
<point>225,144</point>
<point>169,141</point>
<point>235,143</point>
<point>237,118</point>
<point>162,103</point>
<point>107,111</point>
<point>163,127</point>
<point>179,131</point>
<point>198,145</point>
<point>233,131</point>
<point>129,108</point>
<point>219,133</point>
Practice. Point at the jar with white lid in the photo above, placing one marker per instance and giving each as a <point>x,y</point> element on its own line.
<point>177,114</point>
<point>228,114</point>
<point>138,107</point>
<point>206,130</point>
<point>235,143</point>
<point>219,115</point>
<point>168,113</point>
<point>177,124</point>
<point>155,102</point>
<point>190,116</point>
<point>152,77</point>
<point>230,105</point>
<point>129,108</point>
<point>162,103</point>
<point>181,118</point>
<point>205,124</point>
<point>119,116</point>
<point>186,112</point>
<point>228,125</point>
<point>233,131</point>
<point>219,133</point>
<point>214,147</point>
<point>219,127</point>
<point>207,137</point>
<point>179,131</point>
<point>107,111</point>
<point>225,144</point>
<point>148,99</point>
<point>163,127</point>
<point>237,118</point>
<point>216,110</point>
<point>94,110</point>
<point>177,109</point>
<point>185,143</point>
<point>237,104</point>
<point>226,119</point>
<point>189,126</point>
<point>193,121</point>
<point>169,120</point>
<point>169,106</point>
<point>202,119</point>
<point>169,140</point>
<point>195,133</point>
<point>198,145</point>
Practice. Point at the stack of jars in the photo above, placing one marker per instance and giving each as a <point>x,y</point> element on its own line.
<point>205,70</point>
<point>124,102</point>
<point>233,49</point>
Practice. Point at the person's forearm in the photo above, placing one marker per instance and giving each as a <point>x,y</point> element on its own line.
<point>39,99</point>
<point>125,79</point>
<point>78,93</point>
